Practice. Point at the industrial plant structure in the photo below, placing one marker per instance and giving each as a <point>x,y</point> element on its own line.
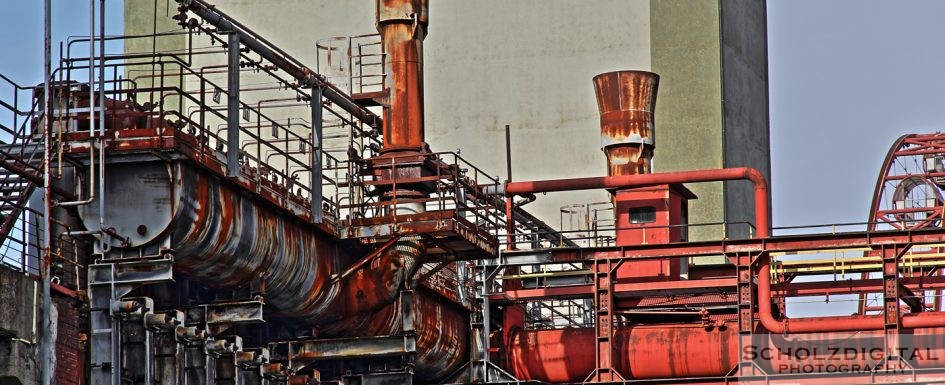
<point>192,228</point>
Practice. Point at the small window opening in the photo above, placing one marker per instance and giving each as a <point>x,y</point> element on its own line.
<point>646,214</point>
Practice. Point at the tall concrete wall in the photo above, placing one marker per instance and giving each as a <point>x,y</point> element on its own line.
<point>144,18</point>
<point>685,51</point>
<point>712,109</point>
<point>529,64</point>
<point>745,102</point>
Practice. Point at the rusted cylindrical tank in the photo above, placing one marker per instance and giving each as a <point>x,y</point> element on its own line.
<point>217,233</point>
<point>627,100</point>
<point>221,236</point>
<point>640,352</point>
<point>403,26</point>
<point>681,351</point>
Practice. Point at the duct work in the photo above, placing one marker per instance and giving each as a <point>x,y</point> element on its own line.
<point>403,26</point>
<point>626,100</point>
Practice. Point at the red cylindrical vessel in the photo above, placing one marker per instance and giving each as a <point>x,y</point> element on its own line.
<point>679,351</point>
<point>640,352</point>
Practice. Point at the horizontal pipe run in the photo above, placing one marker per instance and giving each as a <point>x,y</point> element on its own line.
<point>829,324</point>
<point>643,180</point>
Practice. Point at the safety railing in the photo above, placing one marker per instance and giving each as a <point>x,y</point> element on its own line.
<point>167,99</point>
<point>21,156</point>
<point>353,63</point>
<point>454,280</point>
<point>455,185</point>
<point>604,234</point>
<point>21,248</point>
<point>592,223</point>
<point>557,314</point>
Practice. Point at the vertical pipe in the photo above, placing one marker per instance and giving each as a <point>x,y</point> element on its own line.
<point>508,153</point>
<point>509,217</point>
<point>101,120</point>
<point>92,67</point>
<point>487,282</point>
<point>101,67</point>
<point>46,343</point>
<point>233,105</point>
<point>509,223</point>
<point>315,181</point>
<point>403,26</point>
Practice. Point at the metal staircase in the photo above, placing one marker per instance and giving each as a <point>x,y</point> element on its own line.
<point>21,156</point>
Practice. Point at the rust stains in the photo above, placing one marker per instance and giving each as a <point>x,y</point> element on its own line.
<point>626,100</point>
<point>403,26</point>
<point>227,239</point>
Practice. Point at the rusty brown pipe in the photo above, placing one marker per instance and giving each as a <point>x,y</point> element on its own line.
<point>626,100</point>
<point>403,26</point>
<point>441,330</point>
<point>368,289</point>
<point>369,305</point>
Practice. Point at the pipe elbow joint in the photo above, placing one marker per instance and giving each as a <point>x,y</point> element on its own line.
<point>773,325</point>
<point>756,177</point>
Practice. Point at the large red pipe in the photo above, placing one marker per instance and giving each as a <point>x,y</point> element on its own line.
<point>762,223</point>
<point>762,220</point>
<point>830,324</point>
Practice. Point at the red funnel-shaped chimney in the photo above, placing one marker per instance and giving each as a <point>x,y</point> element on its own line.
<point>627,100</point>
<point>403,26</point>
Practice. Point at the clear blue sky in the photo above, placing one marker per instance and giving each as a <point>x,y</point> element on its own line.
<point>847,77</point>
<point>21,36</point>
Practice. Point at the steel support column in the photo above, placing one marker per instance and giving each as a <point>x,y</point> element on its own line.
<point>315,181</point>
<point>891,255</point>
<point>195,367</point>
<point>233,105</point>
<point>108,284</point>
<point>746,313</point>
<point>604,322</point>
<point>137,343</point>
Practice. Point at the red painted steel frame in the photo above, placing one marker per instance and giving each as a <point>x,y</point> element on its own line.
<point>762,221</point>
<point>551,354</point>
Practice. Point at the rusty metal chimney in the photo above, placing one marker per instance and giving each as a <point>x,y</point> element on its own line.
<point>403,26</point>
<point>626,100</point>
